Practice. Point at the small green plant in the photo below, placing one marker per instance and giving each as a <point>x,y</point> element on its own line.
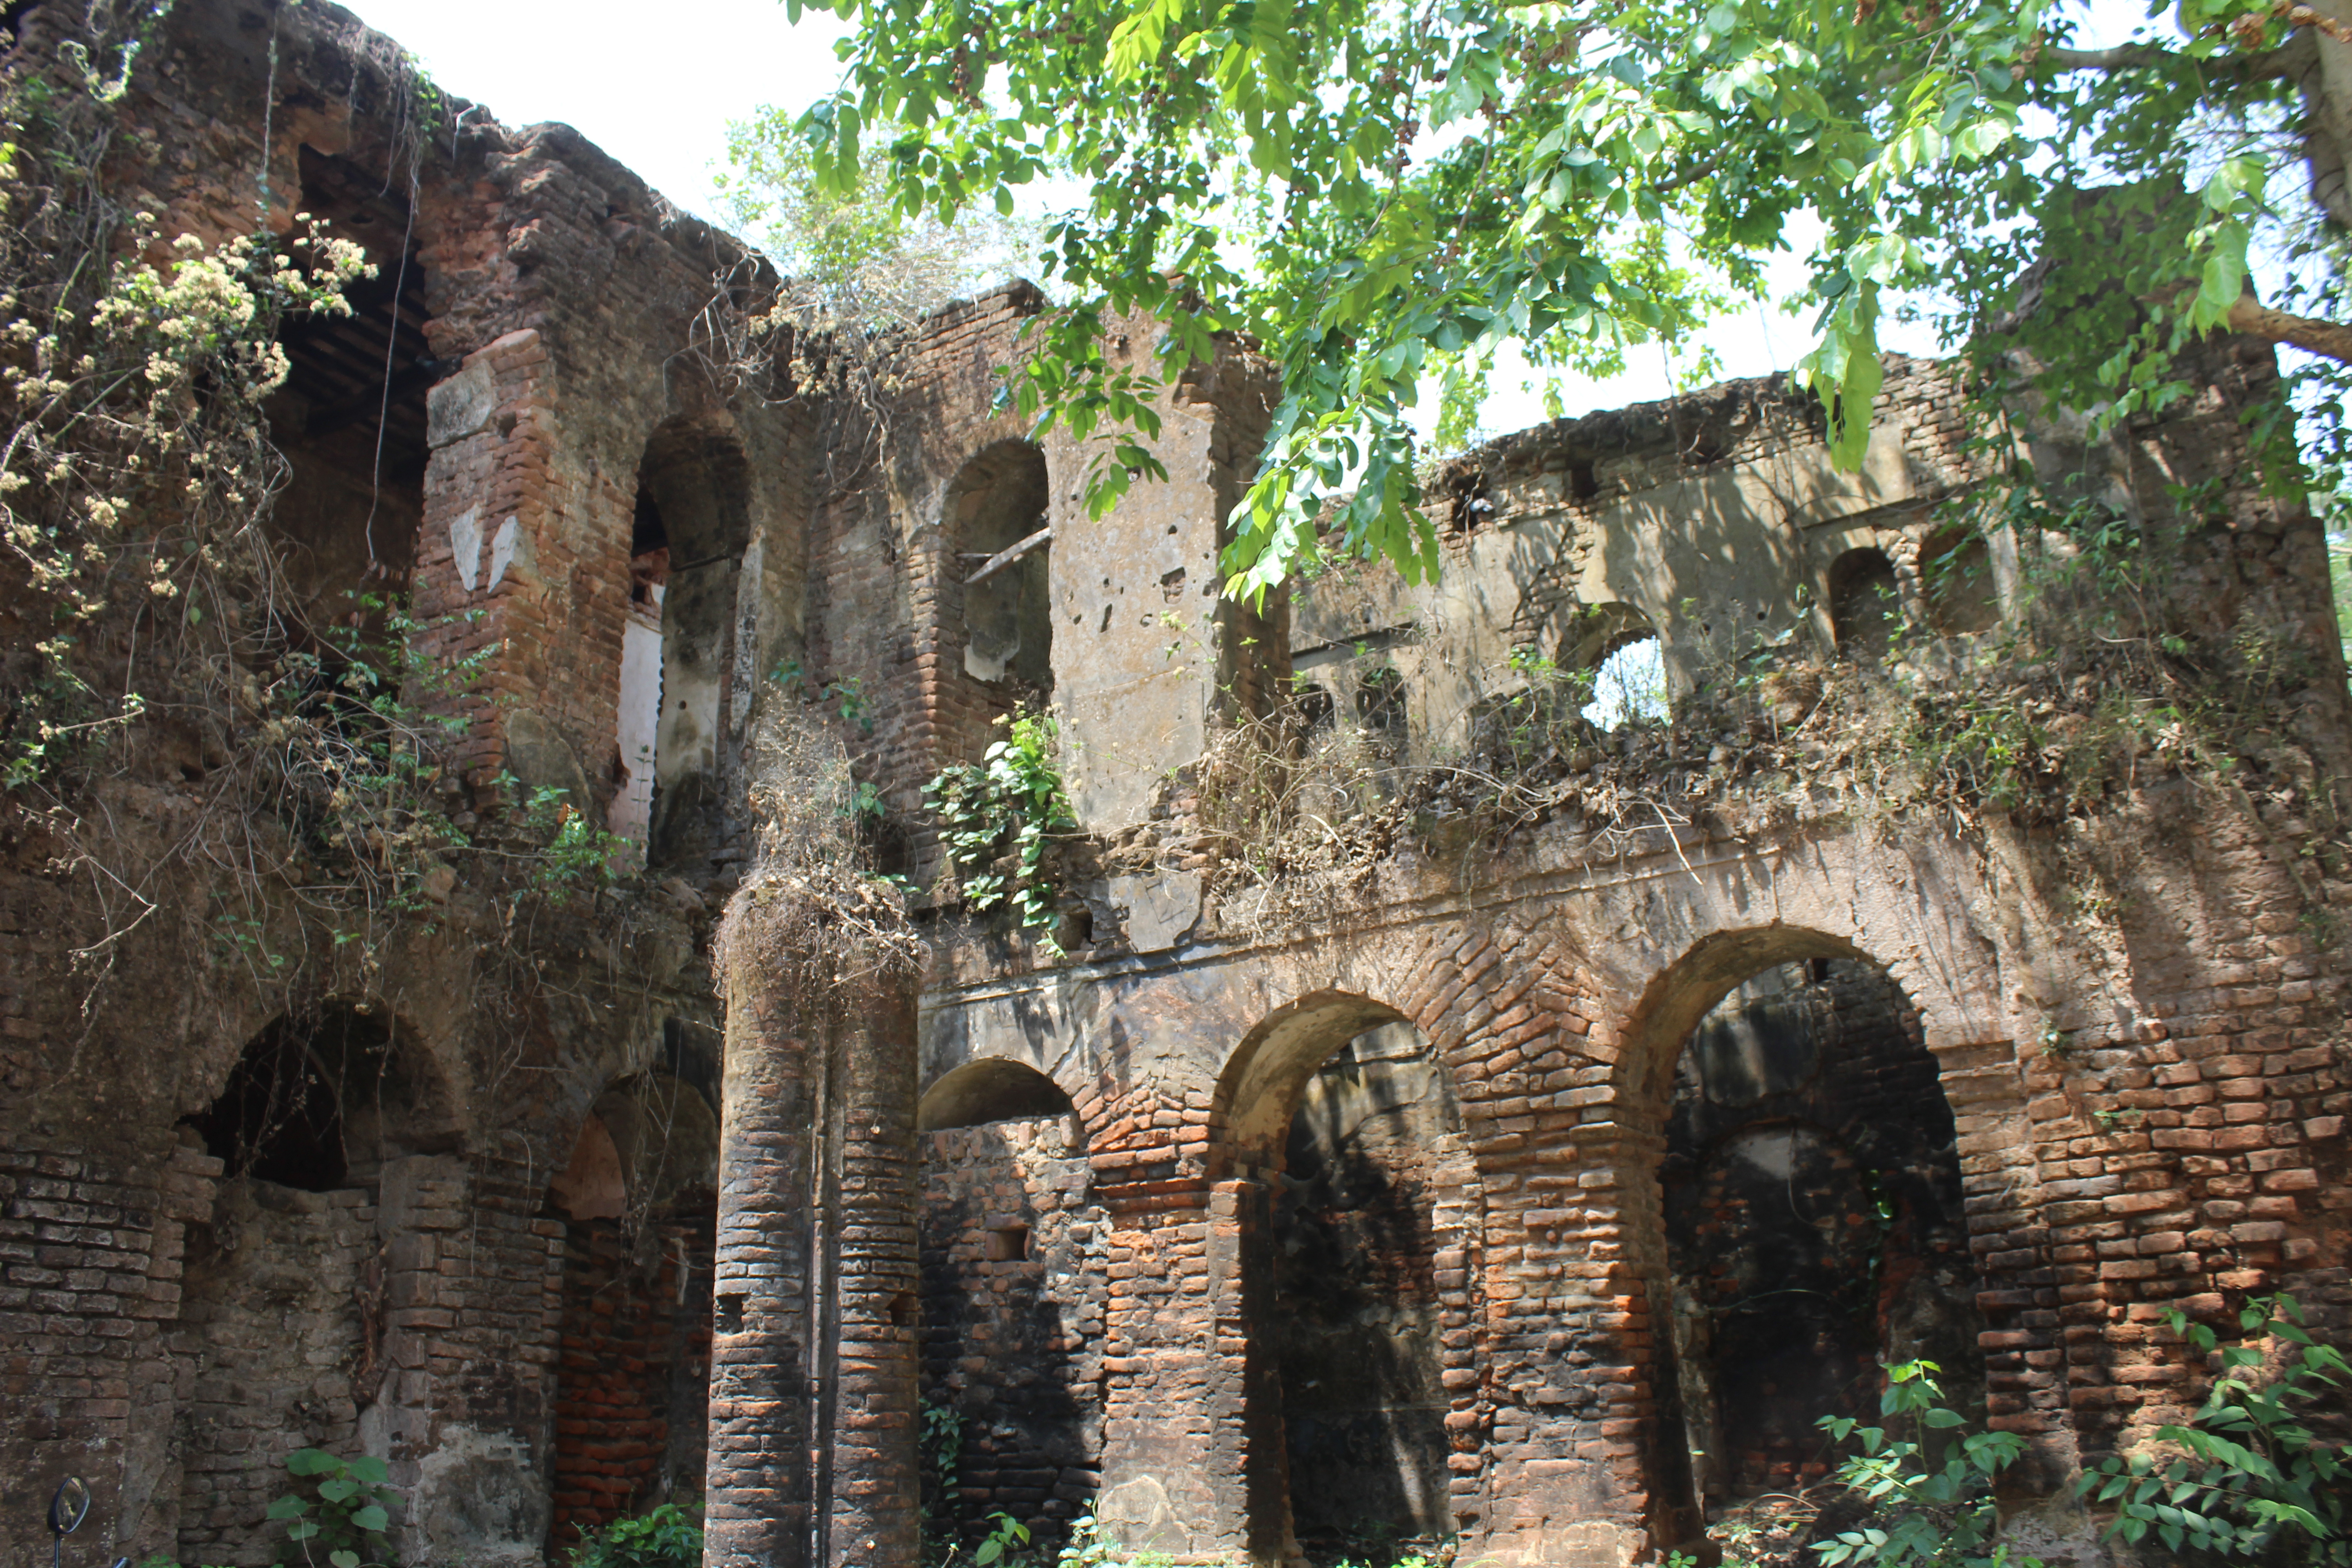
<point>844,695</point>
<point>2254,1482</point>
<point>343,1519</point>
<point>939,1451</point>
<point>1087,1548</point>
<point>1008,806</point>
<point>578,853</point>
<point>1930,1507</point>
<point>1003,1536</point>
<point>667,1535</point>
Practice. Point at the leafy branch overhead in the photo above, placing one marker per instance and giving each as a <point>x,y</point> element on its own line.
<point>1387,197</point>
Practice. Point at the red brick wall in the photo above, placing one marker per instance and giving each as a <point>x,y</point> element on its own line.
<point>633,1359</point>
<point>1015,1345</point>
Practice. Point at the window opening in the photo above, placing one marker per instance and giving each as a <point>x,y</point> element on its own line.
<point>1865,602</point>
<point>996,511</point>
<point>1008,1243</point>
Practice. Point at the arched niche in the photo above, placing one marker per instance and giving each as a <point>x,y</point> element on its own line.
<point>991,1089</point>
<point>998,502</point>
<point>323,1095</point>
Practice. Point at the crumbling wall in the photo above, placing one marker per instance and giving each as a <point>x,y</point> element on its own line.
<point>1013,1253</point>
<point>274,1342</point>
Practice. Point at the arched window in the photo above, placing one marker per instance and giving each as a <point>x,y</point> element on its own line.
<point>992,1090</point>
<point>995,505</point>
<point>1620,649</point>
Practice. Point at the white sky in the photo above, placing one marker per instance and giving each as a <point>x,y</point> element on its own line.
<point>656,89</point>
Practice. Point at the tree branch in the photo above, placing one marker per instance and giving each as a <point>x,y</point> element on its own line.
<point>2285,63</point>
<point>2331,340</point>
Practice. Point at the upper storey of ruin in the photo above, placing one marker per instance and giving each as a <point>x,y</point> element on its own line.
<point>539,425</point>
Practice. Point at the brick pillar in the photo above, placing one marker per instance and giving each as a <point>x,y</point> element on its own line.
<point>813,1364</point>
<point>876,1502</point>
<point>1176,1396</point>
<point>758,1478</point>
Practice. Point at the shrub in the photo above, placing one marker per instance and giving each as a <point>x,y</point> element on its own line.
<point>665,1536</point>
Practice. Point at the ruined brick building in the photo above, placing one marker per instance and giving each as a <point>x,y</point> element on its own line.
<point>1513,1135</point>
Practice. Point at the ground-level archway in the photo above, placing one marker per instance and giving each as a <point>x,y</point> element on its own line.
<point>1811,1221</point>
<point>1353,1275</point>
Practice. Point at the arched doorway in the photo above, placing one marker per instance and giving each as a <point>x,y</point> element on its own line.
<point>284,1281</point>
<point>639,1200</point>
<point>1013,1253</point>
<point>1814,1230</point>
<point>1355,1284</point>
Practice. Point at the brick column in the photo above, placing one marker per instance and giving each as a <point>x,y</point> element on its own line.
<point>1181,1404</point>
<point>813,1364</point>
<point>877,1507</point>
<point>759,1480</point>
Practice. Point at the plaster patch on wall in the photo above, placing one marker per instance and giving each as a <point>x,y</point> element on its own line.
<point>465,545</point>
<point>502,551</point>
<point>479,1499</point>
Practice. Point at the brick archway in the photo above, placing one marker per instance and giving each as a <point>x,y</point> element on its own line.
<point>1652,1038</point>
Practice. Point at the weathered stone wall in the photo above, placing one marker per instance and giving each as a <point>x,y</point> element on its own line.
<point>1014,1295</point>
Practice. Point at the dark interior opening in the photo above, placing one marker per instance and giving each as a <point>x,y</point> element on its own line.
<point>351,420</point>
<point>1865,602</point>
<point>648,539</point>
<point>1814,1223</point>
<point>321,1097</point>
<point>1583,484</point>
<point>1357,1321</point>
<point>278,1119</point>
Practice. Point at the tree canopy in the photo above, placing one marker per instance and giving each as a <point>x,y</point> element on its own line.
<point>1385,195</point>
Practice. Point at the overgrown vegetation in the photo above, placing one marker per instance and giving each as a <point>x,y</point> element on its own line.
<point>2249,1478</point>
<point>346,1511</point>
<point>667,1535</point>
<point>2255,1481</point>
<point>998,817</point>
<point>251,779</point>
